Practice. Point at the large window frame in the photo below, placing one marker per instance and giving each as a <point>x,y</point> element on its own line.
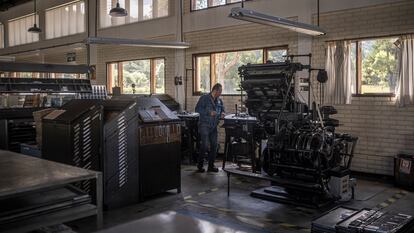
<point>140,14</point>
<point>358,69</point>
<point>196,81</point>
<point>22,30</point>
<point>153,77</point>
<point>210,4</point>
<point>78,30</point>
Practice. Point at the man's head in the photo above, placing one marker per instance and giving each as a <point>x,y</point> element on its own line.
<point>216,90</point>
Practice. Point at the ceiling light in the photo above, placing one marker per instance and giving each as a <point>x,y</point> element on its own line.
<point>256,17</point>
<point>138,43</point>
<point>118,11</point>
<point>35,28</point>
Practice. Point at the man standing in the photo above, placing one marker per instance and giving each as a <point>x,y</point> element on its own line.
<point>211,109</point>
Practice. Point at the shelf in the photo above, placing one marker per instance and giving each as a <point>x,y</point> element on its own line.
<point>25,85</point>
<point>50,219</point>
<point>31,91</point>
<point>20,177</point>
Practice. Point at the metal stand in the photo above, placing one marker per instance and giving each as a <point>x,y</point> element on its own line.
<point>20,177</point>
<point>314,197</point>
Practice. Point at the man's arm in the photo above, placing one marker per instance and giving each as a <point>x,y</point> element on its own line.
<point>223,110</point>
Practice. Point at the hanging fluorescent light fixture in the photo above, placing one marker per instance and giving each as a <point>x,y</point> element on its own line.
<point>118,11</point>
<point>138,43</point>
<point>256,17</point>
<point>35,28</point>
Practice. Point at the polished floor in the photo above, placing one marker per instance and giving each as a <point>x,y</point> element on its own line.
<point>204,196</point>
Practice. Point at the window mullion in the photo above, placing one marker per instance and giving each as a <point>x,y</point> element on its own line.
<point>196,75</point>
<point>140,10</point>
<point>213,78</point>
<point>109,77</point>
<point>152,76</point>
<point>120,77</point>
<point>155,12</point>
<point>359,67</point>
<point>128,8</point>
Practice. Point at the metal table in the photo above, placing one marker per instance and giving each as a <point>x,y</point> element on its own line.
<point>21,175</point>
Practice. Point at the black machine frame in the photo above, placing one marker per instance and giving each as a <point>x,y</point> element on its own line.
<point>302,147</point>
<point>100,135</point>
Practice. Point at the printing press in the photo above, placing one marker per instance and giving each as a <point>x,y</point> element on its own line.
<point>302,155</point>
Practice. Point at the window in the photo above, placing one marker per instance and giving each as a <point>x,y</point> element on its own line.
<point>202,81</point>
<point>138,10</point>
<point>276,55</point>
<point>376,63</point>
<point>204,4</point>
<point>18,33</point>
<point>65,20</point>
<point>145,76</point>
<point>222,67</point>
<point>1,36</point>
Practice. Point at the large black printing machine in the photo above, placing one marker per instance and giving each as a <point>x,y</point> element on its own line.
<point>134,142</point>
<point>299,150</point>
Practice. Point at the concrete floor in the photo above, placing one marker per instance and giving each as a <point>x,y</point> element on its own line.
<point>205,196</point>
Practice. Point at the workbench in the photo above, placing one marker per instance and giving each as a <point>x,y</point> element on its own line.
<point>24,176</point>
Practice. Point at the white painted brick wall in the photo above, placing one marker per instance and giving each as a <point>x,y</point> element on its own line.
<point>384,130</point>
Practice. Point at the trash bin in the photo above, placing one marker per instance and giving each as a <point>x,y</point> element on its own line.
<point>403,171</point>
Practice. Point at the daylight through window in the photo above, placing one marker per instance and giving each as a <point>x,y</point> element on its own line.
<point>138,10</point>
<point>376,63</point>
<point>223,67</point>
<point>146,76</point>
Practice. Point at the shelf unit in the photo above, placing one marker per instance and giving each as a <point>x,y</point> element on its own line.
<point>41,85</point>
<point>20,178</point>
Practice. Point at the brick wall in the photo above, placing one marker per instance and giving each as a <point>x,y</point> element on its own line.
<point>384,129</point>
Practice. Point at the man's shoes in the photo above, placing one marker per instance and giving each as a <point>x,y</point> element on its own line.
<point>200,170</point>
<point>213,169</point>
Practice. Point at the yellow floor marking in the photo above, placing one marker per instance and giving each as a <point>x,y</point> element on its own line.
<point>191,201</point>
<point>207,205</point>
<point>287,225</point>
<point>384,204</point>
<point>224,209</point>
<point>187,197</point>
<point>201,193</point>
